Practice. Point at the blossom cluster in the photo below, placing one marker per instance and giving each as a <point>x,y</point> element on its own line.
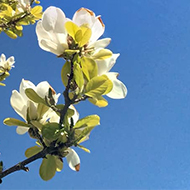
<point>85,74</point>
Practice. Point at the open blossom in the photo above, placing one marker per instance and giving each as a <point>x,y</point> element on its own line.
<point>21,103</point>
<point>119,90</point>
<point>52,34</point>
<point>6,64</point>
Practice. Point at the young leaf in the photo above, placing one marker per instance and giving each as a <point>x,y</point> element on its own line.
<point>91,120</point>
<point>65,71</point>
<point>32,95</point>
<point>37,12</point>
<point>48,168</point>
<point>32,151</point>
<point>78,76</point>
<point>15,122</point>
<point>102,54</point>
<point>86,34</point>
<point>71,29</point>
<point>11,34</point>
<point>59,163</point>
<point>99,85</point>
<point>89,67</point>
<point>41,110</point>
<point>99,101</point>
<point>83,148</point>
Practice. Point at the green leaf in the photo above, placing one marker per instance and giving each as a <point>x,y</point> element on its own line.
<point>99,85</point>
<point>65,71</point>
<point>102,54</point>
<point>82,133</point>
<point>91,120</point>
<point>99,101</point>
<point>36,124</point>
<point>78,76</point>
<point>89,67</point>
<point>32,151</point>
<point>32,95</point>
<point>41,110</point>
<point>50,131</point>
<point>48,167</point>
<point>83,148</point>
<point>59,163</point>
<point>15,122</point>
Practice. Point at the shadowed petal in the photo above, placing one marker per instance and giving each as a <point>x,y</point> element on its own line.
<point>73,160</point>
<point>119,90</point>
<point>18,104</point>
<point>21,130</point>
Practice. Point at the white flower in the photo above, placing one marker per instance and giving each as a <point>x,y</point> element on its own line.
<point>51,33</point>
<point>23,5</point>
<point>119,90</point>
<point>6,65</point>
<point>88,18</point>
<point>53,37</point>
<point>21,103</point>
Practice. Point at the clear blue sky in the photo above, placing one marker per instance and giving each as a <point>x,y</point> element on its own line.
<point>143,141</point>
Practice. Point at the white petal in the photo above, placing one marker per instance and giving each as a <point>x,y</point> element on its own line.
<point>98,29</point>
<point>73,159</point>
<point>32,110</point>
<point>105,65</point>
<point>53,19</point>
<point>11,61</point>
<point>18,104</point>
<point>100,43</point>
<point>21,130</point>
<point>42,89</point>
<point>119,90</point>
<point>84,16</point>
<point>3,58</point>
<point>23,86</point>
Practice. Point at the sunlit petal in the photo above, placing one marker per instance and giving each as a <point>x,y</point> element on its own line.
<point>73,160</point>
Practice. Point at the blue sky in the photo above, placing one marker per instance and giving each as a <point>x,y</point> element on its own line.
<point>143,141</point>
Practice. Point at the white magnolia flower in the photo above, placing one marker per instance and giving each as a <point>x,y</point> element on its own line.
<point>119,90</point>
<point>23,5</point>
<point>21,103</point>
<point>51,33</point>
<point>88,18</point>
<point>53,37</point>
<point>6,65</point>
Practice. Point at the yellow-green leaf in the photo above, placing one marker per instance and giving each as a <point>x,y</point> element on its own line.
<point>102,54</point>
<point>32,151</point>
<point>89,67</point>
<point>86,35</point>
<point>78,76</point>
<point>99,85</point>
<point>37,12</point>
<point>48,168</point>
<point>15,122</point>
<point>41,110</point>
<point>83,148</point>
<point>11,34</point>
<point>71,29</point>
<point>65,71</point>
<point>99,101</point>
<point>91,120</point>
<point>59,163</point>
